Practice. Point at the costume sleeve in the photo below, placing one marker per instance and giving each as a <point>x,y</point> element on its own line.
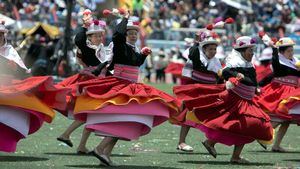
<point>228,73</point>
<point>119,35</point>
<point>80,38</point>
<point>99,68</point>
<point>194,56</point>
<point>141,59</point>
<point>266,80</point>
<point>275,60</point>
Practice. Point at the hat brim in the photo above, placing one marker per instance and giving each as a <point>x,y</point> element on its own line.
<point>285,45</point>
<point>264,58</point>
<point>95,31</point>
<point>247,46</point>
<point>210,42</point>
<point>133,27</point>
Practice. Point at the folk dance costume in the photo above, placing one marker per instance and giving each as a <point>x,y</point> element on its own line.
<point>199,69</point>
<point>24,104</point>
<point>95,58</point>
<point>291,106</point>
<point>118,106</point>
<point>231,117</point>
<point>90,56</point>
<point>283,86</point>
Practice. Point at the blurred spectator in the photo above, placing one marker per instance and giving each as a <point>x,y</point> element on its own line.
<point>41,65</point>
<point>160,63</point>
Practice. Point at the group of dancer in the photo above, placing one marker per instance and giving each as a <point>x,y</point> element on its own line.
<point>224,102</point>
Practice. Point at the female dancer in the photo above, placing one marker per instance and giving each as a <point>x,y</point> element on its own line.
<point>285,82</point>
<point>230,117</point>
<point>202,68</point>
<point>119,107</point>
<point>91,53</point>
<point>24,104</point>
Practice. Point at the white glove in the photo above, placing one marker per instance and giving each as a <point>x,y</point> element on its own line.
<point>229,85</point>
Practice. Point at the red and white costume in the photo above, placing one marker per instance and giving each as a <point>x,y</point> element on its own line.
<point>24,104</point>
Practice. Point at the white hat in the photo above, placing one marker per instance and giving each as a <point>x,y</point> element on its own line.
<point>96,26</point>
<point>133,23</point>
<point>207,37</point>
<point>2,27</point>
<point>266,54</point>
<point>285,41</point>
<point>244,42</point>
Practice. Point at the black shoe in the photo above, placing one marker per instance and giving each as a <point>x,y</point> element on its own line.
<point>210,149</point>
<point>102,158</point>
<point>68,142</point>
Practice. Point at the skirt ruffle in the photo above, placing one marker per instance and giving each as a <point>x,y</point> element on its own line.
<point>272,94</point>
<point>291,106</point>
<point>187,92</point>
<point>41,86</point>
<point>9,138</point>
<point>71,83</point>
<point>17,123</point>
<point>116,107</point>
<point>24,106</point>
<point>226,118</point>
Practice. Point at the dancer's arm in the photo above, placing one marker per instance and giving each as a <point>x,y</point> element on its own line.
<point>99,68</point>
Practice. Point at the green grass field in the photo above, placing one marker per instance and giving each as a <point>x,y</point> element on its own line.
<point>156,150</point>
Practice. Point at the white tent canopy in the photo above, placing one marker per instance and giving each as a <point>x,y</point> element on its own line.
<point>238,5</point>
<point>8,21</point>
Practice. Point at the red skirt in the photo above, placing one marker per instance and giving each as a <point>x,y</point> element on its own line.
<point>262,71</point>
<point>290,105</point>
<point>27,104</point>
<point>228,119</point>
<point>272,94</point>
<point>187,80</point>
<point>42,87</point>
<point>175,69</point>
<point>187,92</point>
<point>71,83</point>
<point>120,108</point>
